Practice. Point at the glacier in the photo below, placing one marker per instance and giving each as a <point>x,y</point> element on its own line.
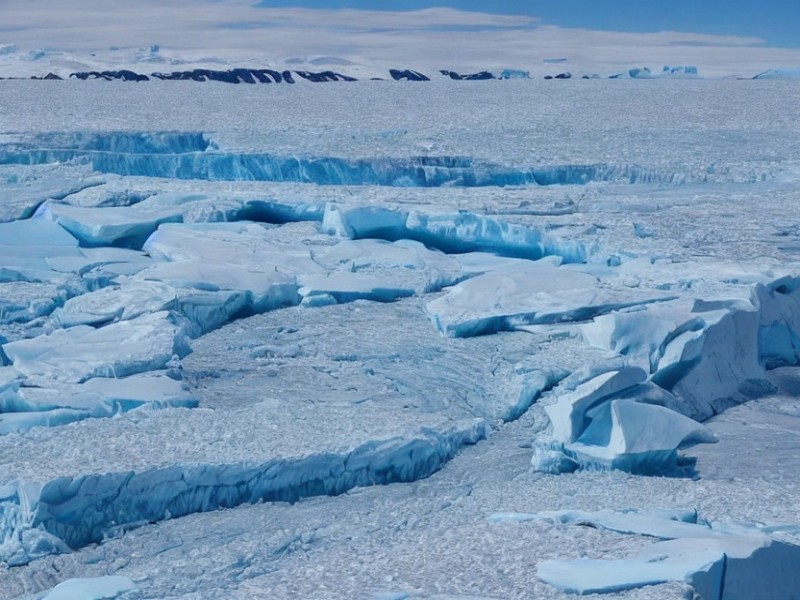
<point>361,327</point>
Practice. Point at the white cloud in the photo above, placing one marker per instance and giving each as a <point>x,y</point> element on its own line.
<point>237,31</point>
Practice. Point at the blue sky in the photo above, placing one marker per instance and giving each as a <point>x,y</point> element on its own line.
<point>775,21</point>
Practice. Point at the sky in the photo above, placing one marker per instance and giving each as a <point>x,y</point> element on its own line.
<point>777,22</point>
<point>366,37</point>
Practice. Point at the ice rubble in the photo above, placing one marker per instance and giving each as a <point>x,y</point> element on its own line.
<point>718,560</point>
<point>689,364</point>
<point>389,376</point>
<point>197,277</point>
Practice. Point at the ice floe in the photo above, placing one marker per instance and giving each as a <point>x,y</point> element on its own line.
<point>537,293</point>
<point>718,560</point>
<point>23,409</point>
<point>74,355</point>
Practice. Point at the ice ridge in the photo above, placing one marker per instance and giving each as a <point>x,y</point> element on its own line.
<point>70,512</point>
<point>194,156</point>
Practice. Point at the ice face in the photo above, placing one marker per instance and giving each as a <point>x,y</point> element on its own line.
<point>192,156</point>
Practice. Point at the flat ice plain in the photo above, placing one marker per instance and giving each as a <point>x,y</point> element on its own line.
<point>505,339</point>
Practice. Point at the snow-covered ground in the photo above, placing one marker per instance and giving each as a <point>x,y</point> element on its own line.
<point>373,340</point>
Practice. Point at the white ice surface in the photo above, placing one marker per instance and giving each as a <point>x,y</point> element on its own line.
<point>97,588</point>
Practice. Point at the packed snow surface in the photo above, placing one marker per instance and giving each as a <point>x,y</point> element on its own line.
<point>410,342</point>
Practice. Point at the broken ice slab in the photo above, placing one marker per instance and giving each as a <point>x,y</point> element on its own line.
<point>537,293</point>
<point>778,302</point>
<point>124,226</point>
<point>25,247</point>
<point>569,414</point>
<point>617,420</point>
<point>241,258</point>
<point>124,301</point>
<point>79,353</point>
<point>718,561</point>
<point>23,302</point>
<point>349,287</point>
<point>459,232</point>
<point>129,226</point>
<point>636,437</point>
<point>249,246</point>
<point>709,354</point>
<point>47,238</point>
<point>25,187</point>
<point>38,251</point>
<point>378,270</point>
<point>640,334</point>
<point>29,407</point>
<point>423,269</point>
<point>263,289</point>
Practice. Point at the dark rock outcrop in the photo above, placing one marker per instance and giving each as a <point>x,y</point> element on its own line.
<point>324,76</point>
<point>48,77</point>
<point>124,75</point>
<point>481,76</point>
<point>407,75</point>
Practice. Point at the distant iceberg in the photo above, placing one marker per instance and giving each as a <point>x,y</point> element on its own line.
<point>515,74</point>
<point>680,71</point>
